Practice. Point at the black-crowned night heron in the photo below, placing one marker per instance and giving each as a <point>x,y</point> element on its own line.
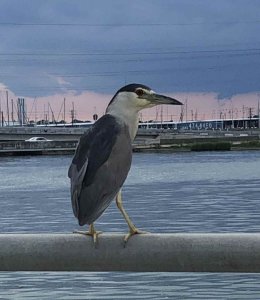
<point>103,157</point>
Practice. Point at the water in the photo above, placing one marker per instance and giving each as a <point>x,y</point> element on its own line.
<point>174,192</point>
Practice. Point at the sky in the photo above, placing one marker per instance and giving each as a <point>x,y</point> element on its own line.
<point>206,53</point>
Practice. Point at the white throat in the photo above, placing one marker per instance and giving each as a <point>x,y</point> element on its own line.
<point>125,111</point>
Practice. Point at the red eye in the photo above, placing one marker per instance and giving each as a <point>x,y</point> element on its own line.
<point>139,92</point>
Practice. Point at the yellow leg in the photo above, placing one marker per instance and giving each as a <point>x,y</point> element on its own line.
<point>91,232</point>
<point>132,229</point>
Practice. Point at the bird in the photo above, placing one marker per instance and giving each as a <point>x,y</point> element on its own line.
<point>103,157</point>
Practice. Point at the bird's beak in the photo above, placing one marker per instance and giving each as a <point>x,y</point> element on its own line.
<point>157,99</point>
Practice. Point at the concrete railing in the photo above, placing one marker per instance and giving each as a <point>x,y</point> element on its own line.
<point>225,252</point>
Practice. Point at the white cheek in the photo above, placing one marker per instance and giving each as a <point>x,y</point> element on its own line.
<point>142,103</point>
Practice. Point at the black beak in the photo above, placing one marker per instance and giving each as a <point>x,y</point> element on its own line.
<point>161,99</point>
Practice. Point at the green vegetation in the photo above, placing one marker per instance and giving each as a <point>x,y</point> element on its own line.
<point>218,146</point>
<point>250,144</point>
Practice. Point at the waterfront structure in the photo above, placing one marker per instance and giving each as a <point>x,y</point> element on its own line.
<point>214,124</point>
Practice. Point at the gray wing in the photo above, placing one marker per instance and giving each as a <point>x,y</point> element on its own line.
<point>96,161</point>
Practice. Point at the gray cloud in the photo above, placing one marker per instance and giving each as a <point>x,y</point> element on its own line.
<point>174,46</point>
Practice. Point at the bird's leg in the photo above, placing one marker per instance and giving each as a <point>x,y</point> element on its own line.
<point>91,232</point>
<point>132,229</point>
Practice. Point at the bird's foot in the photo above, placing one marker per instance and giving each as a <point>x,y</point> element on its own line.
<point>132,232</point>
<point>93,233</point>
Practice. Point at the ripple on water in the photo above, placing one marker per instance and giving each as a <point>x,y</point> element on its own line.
<point>179,192</point>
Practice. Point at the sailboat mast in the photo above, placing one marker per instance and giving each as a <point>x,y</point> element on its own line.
<point>7,108</point>
<point>64,110</point>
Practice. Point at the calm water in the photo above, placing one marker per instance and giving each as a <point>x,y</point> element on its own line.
<point>175,192</point>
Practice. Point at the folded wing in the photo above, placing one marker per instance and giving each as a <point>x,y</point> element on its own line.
<point>99,168</point>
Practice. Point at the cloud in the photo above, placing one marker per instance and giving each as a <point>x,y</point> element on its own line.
<point>3,86</point>
<point>85,105</point>
<point>199,106</point>
<point>173,46</point>
<point>60,80</point>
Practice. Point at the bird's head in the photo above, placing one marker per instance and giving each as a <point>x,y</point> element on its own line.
<point>135,97</point>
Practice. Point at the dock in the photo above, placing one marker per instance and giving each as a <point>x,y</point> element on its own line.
<point>21,148</point>
<point>65,140</point>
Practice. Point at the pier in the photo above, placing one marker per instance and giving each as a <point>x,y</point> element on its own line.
<point>175,252</point>
<point>37,148</point>
<point>63,140</point>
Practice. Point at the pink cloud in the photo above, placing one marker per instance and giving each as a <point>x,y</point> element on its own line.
<point>200,106</point>
<point>85,104</point>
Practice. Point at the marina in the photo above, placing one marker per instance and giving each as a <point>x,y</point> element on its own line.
<point>16,140</point>
<point>183,135</point>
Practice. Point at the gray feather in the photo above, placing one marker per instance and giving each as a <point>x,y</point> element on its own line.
<point>99,168</point>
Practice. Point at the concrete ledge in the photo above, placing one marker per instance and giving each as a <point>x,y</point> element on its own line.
<point>228,252</point>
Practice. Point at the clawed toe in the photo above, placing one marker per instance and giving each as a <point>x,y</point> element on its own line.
<point>131,233</point>
<point>92,232</point>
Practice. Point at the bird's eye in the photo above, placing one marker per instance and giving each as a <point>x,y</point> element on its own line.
<point>139,92</point>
